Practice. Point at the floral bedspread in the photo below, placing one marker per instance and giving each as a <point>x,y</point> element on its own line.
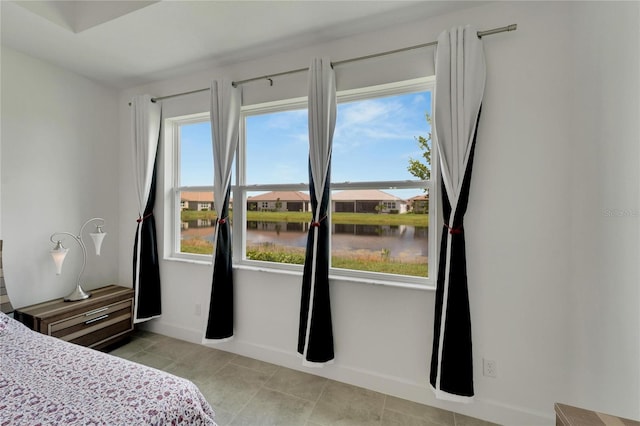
<point>46,381</point>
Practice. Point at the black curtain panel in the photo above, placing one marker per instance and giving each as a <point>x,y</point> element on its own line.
<point>316,332</point>
<point>149,302</point>
<point>460,78</point>
<point>455,365</point>
<point>220,319</point>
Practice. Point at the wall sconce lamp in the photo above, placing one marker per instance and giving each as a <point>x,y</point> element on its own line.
<point>59,252</point>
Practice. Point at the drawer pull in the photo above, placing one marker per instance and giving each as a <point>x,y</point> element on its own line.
<point>96,319</point>
<point>88,314</point>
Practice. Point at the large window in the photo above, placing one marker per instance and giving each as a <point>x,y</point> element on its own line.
<point>380,191</point>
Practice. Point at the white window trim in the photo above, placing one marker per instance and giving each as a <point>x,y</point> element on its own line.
<point>172,202</point>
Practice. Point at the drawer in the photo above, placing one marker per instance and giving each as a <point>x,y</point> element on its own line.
<point>92,327</point>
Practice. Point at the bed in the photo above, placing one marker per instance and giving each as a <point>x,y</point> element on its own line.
<point>46,381</point>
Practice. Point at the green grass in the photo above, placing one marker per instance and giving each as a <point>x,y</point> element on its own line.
<point>371,262</point>
<point>337,218</point>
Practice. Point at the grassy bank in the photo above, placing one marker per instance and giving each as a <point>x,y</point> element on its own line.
<point>360,261</point>
<point>337,218</point>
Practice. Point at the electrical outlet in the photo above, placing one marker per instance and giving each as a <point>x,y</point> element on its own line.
<point>489,368</point>
<point>198,310</point>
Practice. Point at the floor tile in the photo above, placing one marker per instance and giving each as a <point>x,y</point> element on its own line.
<point>471,421</point>
<point>174,348</point>
<point>200,365</point>
<point>151,360</point>
<point>342,404</point>
<point>245,391</point>
<point>394,418</point>
<point>434,416</point>
<point>223,417</point>
<point>271,408</point>
<point>255,364</point>
<point>297,383</point>
<point>232,387</point>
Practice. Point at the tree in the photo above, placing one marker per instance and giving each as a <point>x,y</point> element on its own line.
<point>422,168</point>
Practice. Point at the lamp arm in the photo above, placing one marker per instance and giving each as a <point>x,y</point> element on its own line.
<point>77,239</point>
<point>87,222</point>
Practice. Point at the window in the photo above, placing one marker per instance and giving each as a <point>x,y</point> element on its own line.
<point>193,208</point>
<point>376,233</point>
<point>379,213</point>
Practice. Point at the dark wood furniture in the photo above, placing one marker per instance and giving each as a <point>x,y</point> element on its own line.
<point>102,320</point>
<point>566,415</point>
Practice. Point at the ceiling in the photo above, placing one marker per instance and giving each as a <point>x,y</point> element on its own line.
<point>126,43</point>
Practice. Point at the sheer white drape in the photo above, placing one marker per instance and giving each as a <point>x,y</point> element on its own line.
<point>225,121</point>
<point>460,78</point>
<point>145,117</point>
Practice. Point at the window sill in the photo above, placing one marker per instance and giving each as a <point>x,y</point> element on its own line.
<point>298,273</point>
<point>189,260</point>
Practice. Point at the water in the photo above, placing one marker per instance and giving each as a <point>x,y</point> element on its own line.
<point>401,241</point>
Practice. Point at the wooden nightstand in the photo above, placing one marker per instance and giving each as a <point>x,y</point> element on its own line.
<point>97,322</point>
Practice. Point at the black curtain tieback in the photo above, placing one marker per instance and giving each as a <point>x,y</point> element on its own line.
<point>454,230</point>
<point>140,219</point>
<point>317,224</point>
<point>222,221</point>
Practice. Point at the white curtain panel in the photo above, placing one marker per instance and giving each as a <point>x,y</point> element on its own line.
<point>322,121</point>
<point>460,80</point>
<point>225,119</point>
<point>146,117</point>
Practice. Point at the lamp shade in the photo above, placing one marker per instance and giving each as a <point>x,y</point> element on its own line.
<point>97,238</point>
<point>58,253</point>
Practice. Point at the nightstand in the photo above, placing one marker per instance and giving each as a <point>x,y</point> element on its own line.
<point>101,320</point>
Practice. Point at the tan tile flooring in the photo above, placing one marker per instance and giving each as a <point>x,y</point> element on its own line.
<point>244,391</point>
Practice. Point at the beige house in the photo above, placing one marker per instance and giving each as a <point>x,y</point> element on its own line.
<point>419,203</point>
<point>285,201</point>
<point>366,201</point>
<point>197,201</point>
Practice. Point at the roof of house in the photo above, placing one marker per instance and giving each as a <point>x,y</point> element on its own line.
<point>364,195</point>
<point>206,196</point>
<point>280,195</point>
<point>423,197</point>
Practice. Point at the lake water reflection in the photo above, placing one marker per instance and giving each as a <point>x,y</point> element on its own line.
<point>399,240</point>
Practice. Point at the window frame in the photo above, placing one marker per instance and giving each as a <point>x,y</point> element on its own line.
<point>240,188</point>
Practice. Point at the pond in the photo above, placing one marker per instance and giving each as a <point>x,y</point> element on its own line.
<point>399,241</point>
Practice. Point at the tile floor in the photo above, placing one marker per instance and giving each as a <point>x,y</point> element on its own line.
<point>244,391</point>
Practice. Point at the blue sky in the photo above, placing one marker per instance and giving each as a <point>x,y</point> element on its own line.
<point>373,141</point>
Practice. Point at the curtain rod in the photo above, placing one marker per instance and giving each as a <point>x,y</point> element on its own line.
<point>269,77</point>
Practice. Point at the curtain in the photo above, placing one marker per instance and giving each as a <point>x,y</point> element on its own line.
<point>146,118</point>
<point>460,78</point>
<point>315,335</point>
<point>225,120</point>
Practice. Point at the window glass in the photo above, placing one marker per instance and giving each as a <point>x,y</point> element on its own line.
<point>197,211</point>
<point>277,144</point>
<point>379,209</point>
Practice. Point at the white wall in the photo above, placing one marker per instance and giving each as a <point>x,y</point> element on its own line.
<point>604,221</point>
<point>59,168</point>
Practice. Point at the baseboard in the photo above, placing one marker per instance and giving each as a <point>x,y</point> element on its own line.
<point>493,411</point>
